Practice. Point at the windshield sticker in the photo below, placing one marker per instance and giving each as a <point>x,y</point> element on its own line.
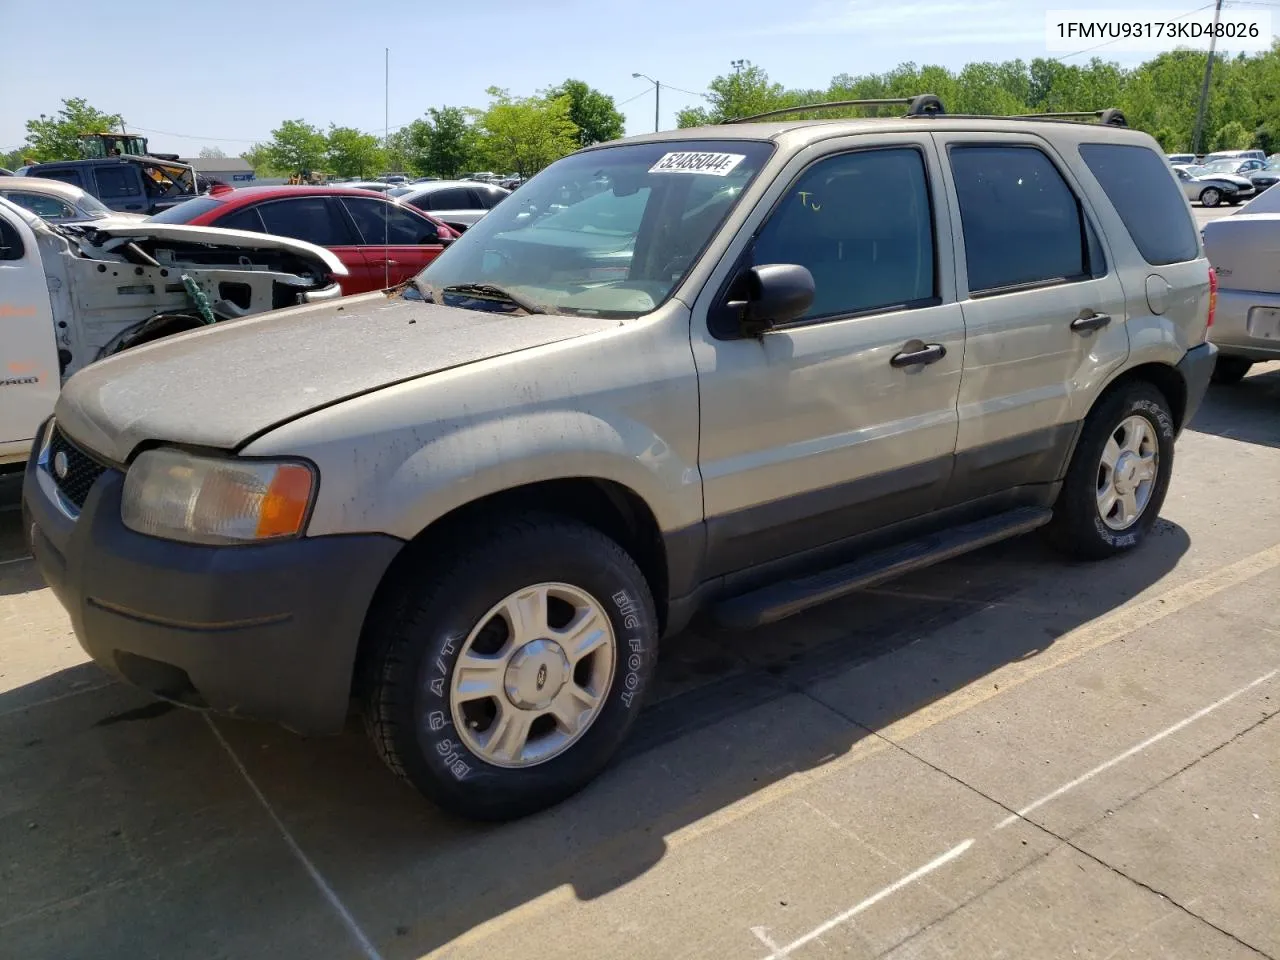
<point>712,164</point>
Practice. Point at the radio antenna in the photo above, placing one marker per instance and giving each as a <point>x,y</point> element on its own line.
<point>386,148</point>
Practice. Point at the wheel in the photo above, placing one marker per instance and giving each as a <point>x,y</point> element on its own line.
<point>1118,477</point>
<point>1230,369</point>
<point>1210,197</point>
<point>504,672</point>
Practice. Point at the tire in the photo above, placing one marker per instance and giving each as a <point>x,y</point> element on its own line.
<point>445,604</point>
<point>1079,527</point>
<point>1228,370</point>
<point>1210,197</point>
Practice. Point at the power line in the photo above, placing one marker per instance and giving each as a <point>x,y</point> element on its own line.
<point>692,93</point>
<point>623,103</point>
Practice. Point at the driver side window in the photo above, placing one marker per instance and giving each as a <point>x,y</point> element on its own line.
<point>862,223</point>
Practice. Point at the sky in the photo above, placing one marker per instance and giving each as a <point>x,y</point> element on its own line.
<point>224,73</point>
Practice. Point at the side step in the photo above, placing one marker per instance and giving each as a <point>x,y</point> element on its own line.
<point>780,600</point>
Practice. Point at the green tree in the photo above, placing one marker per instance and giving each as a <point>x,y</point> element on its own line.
<point>350,153</point>
<point>525,134</point>
<point>54,138</point>
<point>409,148</point>
<point>1232,136</point>
<point>592,112</point>
<point>13,159</point>
<point>296,146</point>
<point>739,94</point>
<point>259,157</point>
<point>452,147</point>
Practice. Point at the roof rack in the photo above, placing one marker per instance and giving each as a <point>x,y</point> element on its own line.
<point>929,105</point>
<point>924,104</point>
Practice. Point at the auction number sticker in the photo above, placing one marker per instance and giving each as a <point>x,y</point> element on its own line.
<point>713,164</point>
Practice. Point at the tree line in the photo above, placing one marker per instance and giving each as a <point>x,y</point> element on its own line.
<point>1159,96</point>
<point>523,134</point>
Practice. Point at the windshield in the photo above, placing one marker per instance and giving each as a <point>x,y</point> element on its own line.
<point>92,206</point>
<point>607,232</point>
<point>1222,166</point>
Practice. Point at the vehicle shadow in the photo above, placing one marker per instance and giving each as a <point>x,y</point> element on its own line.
<point>732,714</point>
<point>1248,410</point>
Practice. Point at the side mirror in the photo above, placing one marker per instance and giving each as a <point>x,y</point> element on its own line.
<point>771,294</point>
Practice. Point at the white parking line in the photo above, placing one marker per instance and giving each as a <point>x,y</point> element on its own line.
<point>871,901</point>
<point>366,945</point>
<point>16,560</point>
<point>1135,749</point>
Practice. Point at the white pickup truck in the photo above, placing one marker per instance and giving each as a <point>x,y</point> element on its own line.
<point>73,294</point>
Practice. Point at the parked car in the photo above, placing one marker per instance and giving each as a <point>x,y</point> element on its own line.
<point>834,352</point>
<point>351,222</point>
<point>77,293</point>
<point>1262,174</point>
<point>1242,249</point>
<point>1234,155</point>
<point>1183,159</point>
<point>6,172</point>
<point>57,201</point>
<point>1212,189</point>
<point>127,184</point>
<point>459,203</point>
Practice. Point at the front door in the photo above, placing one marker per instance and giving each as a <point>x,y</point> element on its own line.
<point>320,220</point>
<point>845,420</point>
<point>398,243</point>
<point>1044,311</point>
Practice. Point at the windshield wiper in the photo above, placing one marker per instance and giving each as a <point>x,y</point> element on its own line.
<point>493,292</point>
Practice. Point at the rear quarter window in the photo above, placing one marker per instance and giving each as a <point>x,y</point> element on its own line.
<point>1136,180</point>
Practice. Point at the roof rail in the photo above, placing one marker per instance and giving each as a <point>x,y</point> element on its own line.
<point>924,104</point>
<point>928,105</point>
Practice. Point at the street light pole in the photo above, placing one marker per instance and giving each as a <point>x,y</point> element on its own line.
<point>657,98</point>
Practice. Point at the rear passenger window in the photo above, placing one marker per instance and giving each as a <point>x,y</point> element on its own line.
<point>1021,222</point>
<point>450,198</point>
<point>1136,181</point>
<point>116,182</point>
<point>66,176</point>
<point>863,225</point>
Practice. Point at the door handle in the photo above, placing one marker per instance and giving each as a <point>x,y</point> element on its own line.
<point>930,353</point>
<point>391,263</point>
<point>1094,321</point>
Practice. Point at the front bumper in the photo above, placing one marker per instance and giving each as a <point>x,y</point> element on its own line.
<point>1196,368</point>
<point>263,630</point>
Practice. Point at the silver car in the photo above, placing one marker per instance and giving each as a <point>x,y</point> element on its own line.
<point>58,202</point>
<point>1247,321</point>
<point>1212,188</point>
<point>459,203</point>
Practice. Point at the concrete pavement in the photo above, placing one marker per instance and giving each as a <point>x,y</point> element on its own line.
<point>1007,755</point>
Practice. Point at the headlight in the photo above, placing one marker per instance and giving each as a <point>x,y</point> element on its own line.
<point>168,493</point>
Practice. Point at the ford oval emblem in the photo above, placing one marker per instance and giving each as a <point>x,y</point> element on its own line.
<point>60,465</point>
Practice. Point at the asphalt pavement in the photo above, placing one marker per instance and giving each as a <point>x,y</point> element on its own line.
<point>1003,756</point>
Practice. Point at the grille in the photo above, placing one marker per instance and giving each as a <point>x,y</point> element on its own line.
<point>82,470</point>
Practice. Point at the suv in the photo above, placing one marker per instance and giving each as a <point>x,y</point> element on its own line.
<point>142,185</point>
<point>768,365</point>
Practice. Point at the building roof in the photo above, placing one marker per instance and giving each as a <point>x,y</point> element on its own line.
<point>219,164</point>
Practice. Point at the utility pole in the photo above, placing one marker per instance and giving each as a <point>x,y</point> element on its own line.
<point>1204,86</point>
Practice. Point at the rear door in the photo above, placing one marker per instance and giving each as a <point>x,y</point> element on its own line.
<point>120,188</point>
<point>398,242</point>
<point>29,374</point>
<point>321,221</point>
<point>1044,310</point>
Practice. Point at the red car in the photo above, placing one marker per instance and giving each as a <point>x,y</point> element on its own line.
<point>351,223</point>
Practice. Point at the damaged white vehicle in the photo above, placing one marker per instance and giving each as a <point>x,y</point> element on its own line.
<point>73,294</point>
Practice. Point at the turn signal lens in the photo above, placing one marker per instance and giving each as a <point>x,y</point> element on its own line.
<point>179,496</point>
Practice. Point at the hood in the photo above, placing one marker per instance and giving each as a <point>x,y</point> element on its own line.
<point>126,230</point>
<point>221,386</point>
<point>1231,178</point>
